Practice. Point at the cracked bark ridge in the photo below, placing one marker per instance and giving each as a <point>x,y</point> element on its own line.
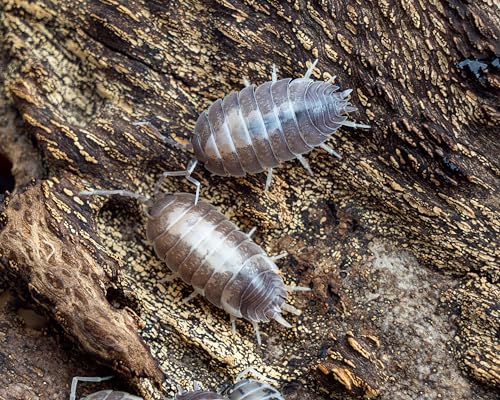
<point>425,177</point>
<point>26,339</point>
<point>64,271</point>
<point>476,301</point>
<point>351,365</point>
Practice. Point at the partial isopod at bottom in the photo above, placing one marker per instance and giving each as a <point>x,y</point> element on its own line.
<point>207,251</point>
<point>249,389</point>
<point>199,394</point>
<point>243,389</point>
<point>102,394</point>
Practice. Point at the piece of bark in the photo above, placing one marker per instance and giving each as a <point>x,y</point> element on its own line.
<point>425,177</point>
<point>35,361</point>
<point>350,366</point>
<point>58,264</point>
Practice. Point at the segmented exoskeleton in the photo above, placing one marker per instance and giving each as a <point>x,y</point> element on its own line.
<point>202,247</point>
<point>254,130</point>
<point>249,389</point>
<point>243,389</point>
<point>102,394</point>
<point>200,395</point>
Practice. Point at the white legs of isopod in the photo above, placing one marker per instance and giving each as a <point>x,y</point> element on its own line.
<point>190,297</point>
<point>274,74</point>
<point>330,151</point>
<point>310,70</point>
<point>304,163</point>
<point>279,256</point>
<point>355,125</point>
<point>257,332</point>
<point>251,232</point>
<point>269,179</point>
<point>76,379</point>
<point>187,173</point>
<point>232,318</point>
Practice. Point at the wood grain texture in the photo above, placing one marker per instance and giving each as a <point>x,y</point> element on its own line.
<point>425,178</point>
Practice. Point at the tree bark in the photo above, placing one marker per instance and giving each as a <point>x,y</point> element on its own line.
<point>424,178</point>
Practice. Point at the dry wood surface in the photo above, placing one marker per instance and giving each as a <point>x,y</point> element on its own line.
<point>398,240</point>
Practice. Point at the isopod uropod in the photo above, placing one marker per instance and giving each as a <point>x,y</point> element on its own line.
<point>257,128</point>
<point>207,251</point>
<point>102,394</point>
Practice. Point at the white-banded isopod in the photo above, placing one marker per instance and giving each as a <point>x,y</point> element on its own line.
<point>257,128</point>
<point>243,389</point>
<point>207,251</point>
<point>102,394</point>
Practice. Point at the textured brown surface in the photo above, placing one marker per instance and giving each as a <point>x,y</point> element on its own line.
<point>424,179</point>
<point>35,361</point>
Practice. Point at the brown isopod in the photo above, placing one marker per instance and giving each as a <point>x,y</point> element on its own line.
<point>102,394</point>
<point>207,251</point>
<point>257,128</point>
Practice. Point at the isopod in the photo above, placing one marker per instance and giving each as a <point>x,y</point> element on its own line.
<point>207,251</point>
<point>102,394</point>
<point>243,389</point>
<point>198,394</point>
<point>249,389</point>
<point>257,128</point>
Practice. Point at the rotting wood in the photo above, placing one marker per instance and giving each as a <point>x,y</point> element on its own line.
<point>425,177</point>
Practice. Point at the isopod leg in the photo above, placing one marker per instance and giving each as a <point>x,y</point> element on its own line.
<point>305,163</point>
<point>76,379</point>
<point>163,138</point>
<point>293,288</point>
<point>309,71</point>
<point>355,125</point>
<point>274,74</point>
<point>290,309</point>
<point>278,318</point>
<point>330,151</point>
<point>232,318</point>
<point>332,79</point>
<point>257,332</point>
<point>269,179</point>
<point>251,232</point>
<point>246,82</point>
<point>169,278</point>
<point>279,256</point>
<point>190,297</point>
<point>187,173</point>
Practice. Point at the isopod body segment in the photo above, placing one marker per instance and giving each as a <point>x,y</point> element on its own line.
<point>207,251</point>
<point>249,389</point>
<point>199,395</point>
<point>111,395</point>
